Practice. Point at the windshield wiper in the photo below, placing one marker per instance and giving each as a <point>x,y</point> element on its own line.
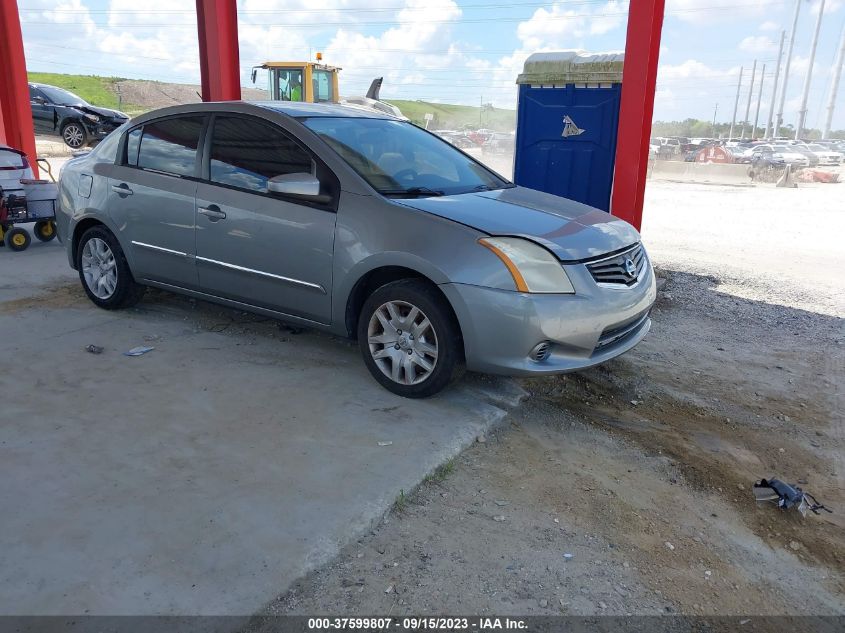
<point>413,192</point>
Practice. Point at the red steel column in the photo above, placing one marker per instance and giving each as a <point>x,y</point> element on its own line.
<point>217,27</point>
<point>15,111</point>
<point>639,77</point>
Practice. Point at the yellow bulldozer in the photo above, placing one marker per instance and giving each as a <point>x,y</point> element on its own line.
<point>315,82</point>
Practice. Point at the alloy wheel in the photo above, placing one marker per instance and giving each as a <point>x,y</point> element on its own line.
<point>402,342</point>
<point>73,135</point>
<point>99,268</point>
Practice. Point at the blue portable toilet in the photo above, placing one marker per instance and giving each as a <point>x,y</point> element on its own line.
<point>567,116</point>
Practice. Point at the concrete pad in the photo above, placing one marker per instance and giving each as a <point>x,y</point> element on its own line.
<point>203,477</point>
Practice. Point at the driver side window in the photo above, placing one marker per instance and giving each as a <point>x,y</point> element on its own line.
<point>247,152</point>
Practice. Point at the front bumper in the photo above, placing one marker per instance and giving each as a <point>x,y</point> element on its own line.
<point>501,327</point>
<point>99,131</point>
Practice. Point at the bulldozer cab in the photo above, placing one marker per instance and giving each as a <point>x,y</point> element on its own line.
<point>307,82</point>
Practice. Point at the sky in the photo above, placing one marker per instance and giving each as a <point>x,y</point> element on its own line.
<point>454,51</point>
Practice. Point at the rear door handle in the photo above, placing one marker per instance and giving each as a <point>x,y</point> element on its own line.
<point>212,212</point>
<point>122,189</point>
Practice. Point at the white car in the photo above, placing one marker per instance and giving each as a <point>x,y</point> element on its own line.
<point>826,155</point>
<point>13,166</point>
<point>786,154</point>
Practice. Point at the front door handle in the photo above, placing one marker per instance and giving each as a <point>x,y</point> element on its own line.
<point>122,189</point>
<point>212,212</point>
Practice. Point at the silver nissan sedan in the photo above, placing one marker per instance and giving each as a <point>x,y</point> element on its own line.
<point>358,224</point>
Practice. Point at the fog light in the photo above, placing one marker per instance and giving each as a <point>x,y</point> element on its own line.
<point>541,351</point>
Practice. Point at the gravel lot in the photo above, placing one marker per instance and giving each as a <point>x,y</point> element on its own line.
<point>626,489</point>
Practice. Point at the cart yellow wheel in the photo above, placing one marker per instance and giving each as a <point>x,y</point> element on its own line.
<point>2,235</point>
<point>17,239</point>
<point>45,230</point>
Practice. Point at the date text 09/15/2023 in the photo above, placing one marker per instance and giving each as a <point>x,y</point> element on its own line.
<point>417,624</point>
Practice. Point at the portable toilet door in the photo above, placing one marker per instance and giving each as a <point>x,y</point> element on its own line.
<point>567,118</point>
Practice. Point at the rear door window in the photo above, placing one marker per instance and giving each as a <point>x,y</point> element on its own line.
<point>170,146</point>
<point>247,152</point>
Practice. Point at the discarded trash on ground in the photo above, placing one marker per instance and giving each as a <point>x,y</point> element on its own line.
<point>786,496</point>
<point>385,443</point>
<point>138,351</point>
<point>94,349</point>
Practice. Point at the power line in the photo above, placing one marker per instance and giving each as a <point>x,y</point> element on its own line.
<point>457,20</point>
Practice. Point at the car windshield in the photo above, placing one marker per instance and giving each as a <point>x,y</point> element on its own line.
<point>399,159</point>
<point>62,97</point>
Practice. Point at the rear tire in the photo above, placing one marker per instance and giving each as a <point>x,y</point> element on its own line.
<point>98,256</point>
<point>410,339</point>
<point>45,230</point>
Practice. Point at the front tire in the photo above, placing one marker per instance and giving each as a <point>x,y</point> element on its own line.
<point>104,271</point>
<point>74,134</point>
<point>17,239</point>
<point>409,338</point>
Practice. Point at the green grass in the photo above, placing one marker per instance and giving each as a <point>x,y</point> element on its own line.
<point>98,91</point>
<point>454,117</point>
<point>440,473</point>
<point>401,502</point>
<point>101,91</point>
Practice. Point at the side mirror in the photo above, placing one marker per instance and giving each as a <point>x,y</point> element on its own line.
<point>300,184</point>
<point>39,100</point>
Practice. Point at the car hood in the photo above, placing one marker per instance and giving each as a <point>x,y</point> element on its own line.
<point>104,112</point>
<point>569,229</point>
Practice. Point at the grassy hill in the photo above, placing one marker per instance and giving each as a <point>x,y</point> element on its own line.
<point>98,91</point>
<point>454,117</point>
<point>135,96</point>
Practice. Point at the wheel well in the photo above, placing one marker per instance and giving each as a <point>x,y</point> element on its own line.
<point>79,231</point>
<point>376,278</point>
<point>68,120</point>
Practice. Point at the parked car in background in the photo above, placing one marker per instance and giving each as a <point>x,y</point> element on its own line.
<point>666,147</point>
<point>480,136</point>
<point>742,154</point>
<point>803,148</point>
<point>357,224</point>
<point>458,139</point>
<point>499,143</point>
<point>826,154</point>
<point>59,111</point>
<point>766,159</point>
<point>785,153</point>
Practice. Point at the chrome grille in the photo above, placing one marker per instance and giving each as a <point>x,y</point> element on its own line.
<point>621,269</point>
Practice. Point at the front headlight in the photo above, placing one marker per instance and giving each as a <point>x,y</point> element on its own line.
<point>533,268</point>
<point>92,117</point>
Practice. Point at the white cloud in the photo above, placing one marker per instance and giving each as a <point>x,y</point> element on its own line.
<point>692,69</point>
<point>768,25</point>
<point>757,44</point>
<point>707,12</point>
<point>556,25</point>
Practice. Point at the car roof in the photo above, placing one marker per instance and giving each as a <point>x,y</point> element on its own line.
<point>305,110</point>
<point>285,108</point>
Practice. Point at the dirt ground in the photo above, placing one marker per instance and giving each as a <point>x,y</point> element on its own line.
<point>626,489</point>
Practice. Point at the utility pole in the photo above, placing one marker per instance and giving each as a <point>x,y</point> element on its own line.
<point>802,113</point>
<point>786,68</point>
<point>736,104</point>
<point>748,105</point>
<point>759,99</point>
<point>834,86</point>
<point>769,134</point>
<point>713,130</point>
